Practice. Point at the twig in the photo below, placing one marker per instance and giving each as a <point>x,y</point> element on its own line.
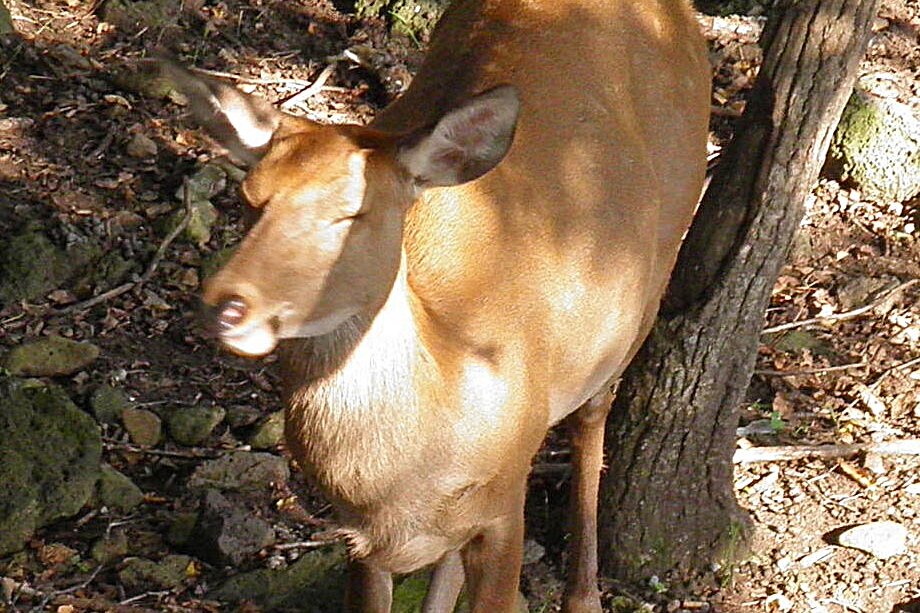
<point>311,90</point>
<point>144,595</point>
<point>56,593</point>
<point>151,268</point>
<point>878,382</point>
<point>196,453</point>
<point>841,316</point>
<point>251,80</point>
<point>825,452</point>
<point>809,371</point>
<point>302,545</point>
<point>724,111</point>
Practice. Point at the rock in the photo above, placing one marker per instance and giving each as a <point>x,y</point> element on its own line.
<point>170,572</point>
<point>6,22</point>
<point>182,528</point>
<point>240,471</point>
<point>882,539</point>
<point>412,18</point>
<point>117,491</point>
<point>242,415</point>
<point>269,433</point>
<point>51,356</point>
<point>318,577</point>
<point>110,548</point>
<point>31,265</point>
<point>877,145</point>
<point>228,533</point>
<point>191,426</point>
<point>209,181</point>
<point>49,458</point>
<point>141,147</point>
<point>136,15</point>
<point>533,552</point>
<point>108,403</point>
<point>144,427</point>
<point>202,218</point>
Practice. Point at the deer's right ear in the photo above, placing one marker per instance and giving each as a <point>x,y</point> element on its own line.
<point>242,123</point>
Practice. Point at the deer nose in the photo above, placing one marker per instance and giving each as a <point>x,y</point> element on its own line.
<point>231,313</point>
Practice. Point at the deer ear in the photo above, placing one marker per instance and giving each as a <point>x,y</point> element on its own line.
<point>242,123</point>
<point>466,143</point>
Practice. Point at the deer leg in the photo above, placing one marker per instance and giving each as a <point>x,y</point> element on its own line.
<point>586,429</point>
<point>368,589</point>
<point>446,583</point>
<point>492,562</point>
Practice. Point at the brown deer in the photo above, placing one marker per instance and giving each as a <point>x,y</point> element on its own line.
<point>477,264</point>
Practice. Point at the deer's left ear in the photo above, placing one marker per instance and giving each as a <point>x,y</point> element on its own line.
<point>242,123</point>
<point>466,143</point>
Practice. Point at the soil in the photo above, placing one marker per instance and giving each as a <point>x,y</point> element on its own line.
<point>70,108</point>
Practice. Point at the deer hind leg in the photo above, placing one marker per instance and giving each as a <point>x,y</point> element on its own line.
<point>446,583</point>
<point>586,430</point>
<point>368,589</point>
<point>492,560</point>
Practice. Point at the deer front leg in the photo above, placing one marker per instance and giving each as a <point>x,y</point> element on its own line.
<point>367,589</point>
<point>586,430</point>
<point>492,561</point>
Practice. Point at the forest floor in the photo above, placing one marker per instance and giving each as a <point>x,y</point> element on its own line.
<point>87,154</point>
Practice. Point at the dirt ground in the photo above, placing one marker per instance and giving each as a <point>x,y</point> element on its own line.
<point>70,116</point>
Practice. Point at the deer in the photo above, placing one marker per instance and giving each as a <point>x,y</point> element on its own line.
<point>473,267</point>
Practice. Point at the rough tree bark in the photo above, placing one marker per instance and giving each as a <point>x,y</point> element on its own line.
<point>667,503</point>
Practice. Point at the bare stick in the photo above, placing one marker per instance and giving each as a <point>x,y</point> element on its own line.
<point>196,453</point>
<point>251,80</point>
<point>151,268</point>
<point>809,371</point>
<point>841,316</point>
<point>825,452</point>
<point>310,91</point>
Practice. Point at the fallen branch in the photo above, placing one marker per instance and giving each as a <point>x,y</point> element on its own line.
<point>195,453</point>
<point>809,371</point>
<point>841,316</point>
<point>824,452</point>
<point>151,267</point>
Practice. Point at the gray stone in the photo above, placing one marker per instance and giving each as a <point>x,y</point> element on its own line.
<point>877,145</point>
<point>110,547</point>
<point>882,539</point>
<point>269,433</point>
<point>117,491</point>
<point>143,426</point>
<point>228,532</point>
<point>141,573</point>
<point>6,22</point>
<point>182,528</point>
<point>49,458</point>
<point>50,356</point>
<point>141,147</point>
<point>108,403</point>
<point>193,425</point>
<point>240,471</point>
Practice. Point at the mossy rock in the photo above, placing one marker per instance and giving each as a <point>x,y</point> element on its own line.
<point>318,578</point>
<point>269,433</point>
<point>49,458</point>
<point>877,146</point>
<point>144,427</point>
<point>193,425</point>
<point>170,572</point>
<point>50,357</point>
<point>215,261</point>
<point>31,265</point>
<point>6,22</point>
<point>110,547</point>
<point>117,491</point>
<point>108,403</point>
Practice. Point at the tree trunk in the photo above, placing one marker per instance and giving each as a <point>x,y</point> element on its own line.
<point>667,502</point>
